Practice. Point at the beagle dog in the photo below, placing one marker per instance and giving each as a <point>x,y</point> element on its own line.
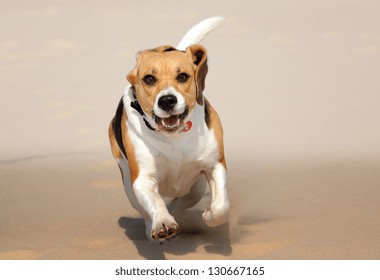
<point>166,137</point>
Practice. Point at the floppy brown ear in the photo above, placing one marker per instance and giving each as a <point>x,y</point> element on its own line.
<point>132,77</point>
<point>199,57</point>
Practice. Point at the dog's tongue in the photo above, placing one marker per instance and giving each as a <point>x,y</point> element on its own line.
<point>170,121</point>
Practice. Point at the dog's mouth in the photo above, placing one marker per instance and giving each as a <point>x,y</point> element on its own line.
<point>172,123</point>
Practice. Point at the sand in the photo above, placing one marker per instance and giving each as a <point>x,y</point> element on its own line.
<point>295,84</point>
<point>74,207</point>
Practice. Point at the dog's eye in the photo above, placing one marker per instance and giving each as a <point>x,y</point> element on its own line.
<point>149,80</point>
<point>182,77</point>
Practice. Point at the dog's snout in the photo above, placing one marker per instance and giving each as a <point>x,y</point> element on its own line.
<point>167,102</point>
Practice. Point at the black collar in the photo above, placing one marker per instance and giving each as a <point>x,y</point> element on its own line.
<point>136,105</point>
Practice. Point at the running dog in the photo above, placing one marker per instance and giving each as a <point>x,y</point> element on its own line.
<point>166,137</point>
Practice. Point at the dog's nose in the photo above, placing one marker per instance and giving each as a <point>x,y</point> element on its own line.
<point>167,102</point>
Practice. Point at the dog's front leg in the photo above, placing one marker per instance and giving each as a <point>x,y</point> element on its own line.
<point>220,205</point>
<point>162,223</point>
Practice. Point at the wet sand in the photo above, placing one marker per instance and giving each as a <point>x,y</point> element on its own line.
<point>74,207</point>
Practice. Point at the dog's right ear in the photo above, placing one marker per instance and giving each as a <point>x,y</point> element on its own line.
<point>132,77</point>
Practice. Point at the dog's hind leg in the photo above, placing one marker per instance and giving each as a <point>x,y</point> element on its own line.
<point>218,212</point>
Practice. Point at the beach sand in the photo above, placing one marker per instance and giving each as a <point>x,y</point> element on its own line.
<point>74,207</point>
<point>296,87</point>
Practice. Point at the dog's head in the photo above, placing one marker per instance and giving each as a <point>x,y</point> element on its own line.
<point>168,83</point>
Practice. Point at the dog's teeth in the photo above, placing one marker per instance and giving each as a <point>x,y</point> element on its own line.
<point>171,122</point>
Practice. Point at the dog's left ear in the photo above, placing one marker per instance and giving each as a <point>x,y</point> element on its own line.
<point>199,57</point>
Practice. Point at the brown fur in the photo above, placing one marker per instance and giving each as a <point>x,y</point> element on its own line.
<point>200,59</point>
<point>114,146</point>
<point>165,63</point>
<point>129,148</point>
<point>218,130</point>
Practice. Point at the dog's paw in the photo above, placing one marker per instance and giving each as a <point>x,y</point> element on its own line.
<point>165,229</point>
<point>215,217</point>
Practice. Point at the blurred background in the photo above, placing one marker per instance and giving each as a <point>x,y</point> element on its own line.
<point>290,79</point>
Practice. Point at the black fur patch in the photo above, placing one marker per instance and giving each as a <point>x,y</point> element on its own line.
<point>136,105</point>
<point>116,126</point>
<point>207,113</point>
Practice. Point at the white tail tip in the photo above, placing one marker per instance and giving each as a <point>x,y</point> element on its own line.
<point>198,32</point>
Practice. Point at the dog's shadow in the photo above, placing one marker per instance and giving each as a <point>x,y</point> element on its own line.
<point>193,234</point>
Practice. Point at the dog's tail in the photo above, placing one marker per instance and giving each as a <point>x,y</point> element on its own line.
<point>198,32</point>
